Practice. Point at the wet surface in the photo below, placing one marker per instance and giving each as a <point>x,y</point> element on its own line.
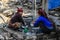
<point>8,33</point>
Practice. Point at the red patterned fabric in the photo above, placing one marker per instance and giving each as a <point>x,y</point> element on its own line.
<point>19,10</point>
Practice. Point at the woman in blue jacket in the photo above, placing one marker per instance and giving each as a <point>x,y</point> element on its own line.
<point>43,22</point>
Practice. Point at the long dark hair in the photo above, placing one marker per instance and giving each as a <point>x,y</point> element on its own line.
<point>42,13</point>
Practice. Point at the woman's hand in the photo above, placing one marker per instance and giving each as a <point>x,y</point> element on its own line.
<point>17,24</point>
<point>33,22</point>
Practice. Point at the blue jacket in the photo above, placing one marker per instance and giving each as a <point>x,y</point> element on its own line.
<point>45,21</point>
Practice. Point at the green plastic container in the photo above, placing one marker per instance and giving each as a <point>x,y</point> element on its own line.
<point>25,30</point>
